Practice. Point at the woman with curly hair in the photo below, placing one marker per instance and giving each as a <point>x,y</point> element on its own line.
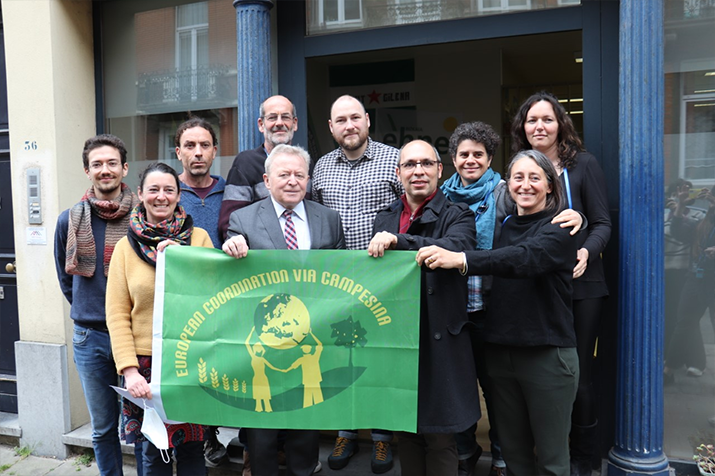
<point>543,124</point>
<point>472,147</point>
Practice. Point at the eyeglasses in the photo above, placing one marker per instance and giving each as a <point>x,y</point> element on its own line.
<point>274,118</point>
<point>426,164</point>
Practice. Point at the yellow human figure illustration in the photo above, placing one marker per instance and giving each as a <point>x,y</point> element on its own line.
<point>261,387</point>
<point>312,376</point>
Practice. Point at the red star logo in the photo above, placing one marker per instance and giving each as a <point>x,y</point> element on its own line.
<point>374,97</point>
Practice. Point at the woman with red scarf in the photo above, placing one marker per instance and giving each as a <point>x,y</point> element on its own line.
<point>157,222</point>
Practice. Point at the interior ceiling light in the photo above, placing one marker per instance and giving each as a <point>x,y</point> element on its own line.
<point>577,57</point>
<point>710,73</point>
<point>707,104</point>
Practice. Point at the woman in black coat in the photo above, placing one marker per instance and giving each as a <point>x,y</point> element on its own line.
<point>542,124</point>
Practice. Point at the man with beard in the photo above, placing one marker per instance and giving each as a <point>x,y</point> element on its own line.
<point>85,237</point>
<point>277,121</point>
<point>357,179</point>
<point>201,193</point>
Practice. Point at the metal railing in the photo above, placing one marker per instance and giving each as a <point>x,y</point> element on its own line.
<point>169,88</point>
<point>676,10</point>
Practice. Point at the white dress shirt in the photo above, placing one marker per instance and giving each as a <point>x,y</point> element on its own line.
<point>300,221</point>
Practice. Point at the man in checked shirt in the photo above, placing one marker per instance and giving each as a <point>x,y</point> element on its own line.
<point>357,179</point>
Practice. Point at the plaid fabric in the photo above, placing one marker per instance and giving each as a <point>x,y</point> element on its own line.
<point>474,296</point>
<point>358,190</point>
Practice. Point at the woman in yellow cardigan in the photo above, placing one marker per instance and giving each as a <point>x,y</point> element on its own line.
<point>157,222</point>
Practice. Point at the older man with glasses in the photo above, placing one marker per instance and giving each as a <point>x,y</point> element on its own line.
<point>277,122</point>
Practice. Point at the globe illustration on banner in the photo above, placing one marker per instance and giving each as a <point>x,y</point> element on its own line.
<point>281,321</point>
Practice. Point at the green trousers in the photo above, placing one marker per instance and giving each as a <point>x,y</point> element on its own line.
<point>533,393</point>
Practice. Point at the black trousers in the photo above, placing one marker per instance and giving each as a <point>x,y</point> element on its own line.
<point>301,448</point>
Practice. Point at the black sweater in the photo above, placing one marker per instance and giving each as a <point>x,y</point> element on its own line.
<point>532,266</point>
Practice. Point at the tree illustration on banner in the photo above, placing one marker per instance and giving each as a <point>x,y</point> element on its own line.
<point>349,333</point>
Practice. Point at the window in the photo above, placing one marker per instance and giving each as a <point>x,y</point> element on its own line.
<point>697,139</point>
<point>163,61</point>
<point>331,16</point>
<point>503,5</point>
<point>192,48</point>
<point>340,11</point>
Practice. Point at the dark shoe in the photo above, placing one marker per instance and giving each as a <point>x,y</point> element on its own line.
<point>381,457</point>
<point>497,471</point>
<point>214,453</point>
<point>582,445</point>
<point>246,464</point>
<point>344,449</point>
<point>580,468</point>
<point>466,466</point>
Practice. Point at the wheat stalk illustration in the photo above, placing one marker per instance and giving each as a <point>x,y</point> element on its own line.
<point>202,371</point>
<point>214,378</point>
<point>225,382</point>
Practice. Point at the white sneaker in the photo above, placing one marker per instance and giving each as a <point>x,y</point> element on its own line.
<point>694,372</point>
<point>318,467</point>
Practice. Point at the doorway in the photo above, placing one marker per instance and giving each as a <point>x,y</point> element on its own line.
<point>426,91</point>
<point>9,328</point>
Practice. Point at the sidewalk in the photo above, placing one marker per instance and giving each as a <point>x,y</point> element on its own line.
<point>13,464</point>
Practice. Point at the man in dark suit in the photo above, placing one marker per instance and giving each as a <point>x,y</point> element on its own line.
<point>284,220</point>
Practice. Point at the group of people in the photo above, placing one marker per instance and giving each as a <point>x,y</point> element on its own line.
<point>512,281</point>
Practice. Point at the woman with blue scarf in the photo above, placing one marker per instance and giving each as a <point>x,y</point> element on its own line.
<point>472,147</point>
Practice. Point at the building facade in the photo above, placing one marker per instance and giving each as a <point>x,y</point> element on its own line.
<point>636,76</point>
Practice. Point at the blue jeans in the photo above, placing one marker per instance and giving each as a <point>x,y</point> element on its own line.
<point>95,365</point>
<point>377,435</point>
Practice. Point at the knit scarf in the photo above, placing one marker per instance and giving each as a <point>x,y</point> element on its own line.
<point>143,236</point>
<point>474,195</point>
<point>81,256</point>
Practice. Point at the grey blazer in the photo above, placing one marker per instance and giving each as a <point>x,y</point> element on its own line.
<point>259,224</point>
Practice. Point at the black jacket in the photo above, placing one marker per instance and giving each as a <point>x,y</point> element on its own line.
<point>448,398</point>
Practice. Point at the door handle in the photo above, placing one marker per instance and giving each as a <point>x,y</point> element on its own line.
<point>10,267</point>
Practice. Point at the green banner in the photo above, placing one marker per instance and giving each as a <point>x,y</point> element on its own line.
<point>287,339</point>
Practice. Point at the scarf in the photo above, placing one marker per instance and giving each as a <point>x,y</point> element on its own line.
<point>81,251</point>
<point>143,236</point>
<point>477,195</point>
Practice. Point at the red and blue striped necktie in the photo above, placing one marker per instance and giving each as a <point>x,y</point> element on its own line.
<point>290,236</point>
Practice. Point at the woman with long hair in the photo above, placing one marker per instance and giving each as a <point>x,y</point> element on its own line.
<point>530,343</point>
<point>542,124</point>
<point>157,222</point>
